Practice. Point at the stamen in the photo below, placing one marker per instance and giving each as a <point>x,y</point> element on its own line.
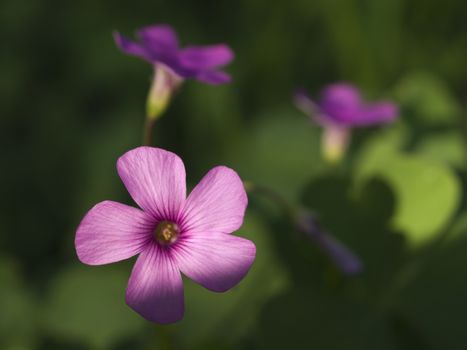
<point>166,232</point>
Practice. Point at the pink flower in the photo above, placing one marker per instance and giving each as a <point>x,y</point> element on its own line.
<point>171,233</point>
<point>159,45</point>
<point>341,104</point>
<point>340,109</point>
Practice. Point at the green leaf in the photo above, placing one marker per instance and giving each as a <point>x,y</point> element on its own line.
<point>427,192</point>
<point>428,97</point>
<point>88,304</point>
<point>361,221</point>
<point>432,301</point>
<point>448,148</point>
<point>18,309</point>
<point>458,232</point>
<point>322,319</point>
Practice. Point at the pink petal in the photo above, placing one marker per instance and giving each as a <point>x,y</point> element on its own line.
<point>155,178</point>
<point>217,261</point>
<point>155,289</point>
<point>206,57</point>
<point>378,113</point>
<point>305,103</point>
<point>216,204</point>
<point>214,77</point>
<point>159,37</point>
<point>340,96</point>
<point>130,47</point>
<point>111,232</point>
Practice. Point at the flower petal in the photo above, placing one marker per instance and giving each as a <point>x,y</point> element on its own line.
<point>159,38</point>
<point>155,178</point>
<point>378,113</point>
<point>216,204</point>
<point>341,103</point>
<point>217,261</point>
<point>305,103</point>
<point>111,232</point>
<point>205,57</point>
<point>130,47</point>
<point>155,288</point>
<point>340,96</point>
<point>214,77</point>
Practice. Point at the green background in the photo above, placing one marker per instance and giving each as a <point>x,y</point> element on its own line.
<point>71,104</point>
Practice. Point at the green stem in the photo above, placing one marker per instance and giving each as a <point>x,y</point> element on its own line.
<point>148,131</point>
<point>342,257</point>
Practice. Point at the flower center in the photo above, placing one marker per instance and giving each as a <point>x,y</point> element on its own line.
<point>166,232</point>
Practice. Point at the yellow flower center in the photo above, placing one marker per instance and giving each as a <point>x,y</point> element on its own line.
<point>166,232</point>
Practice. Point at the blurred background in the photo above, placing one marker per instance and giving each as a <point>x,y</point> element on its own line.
<point>71,104</point>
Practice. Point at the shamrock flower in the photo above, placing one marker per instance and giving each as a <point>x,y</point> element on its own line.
<point>340,109</point>
<point>159,46</point>
<point>171,233</point>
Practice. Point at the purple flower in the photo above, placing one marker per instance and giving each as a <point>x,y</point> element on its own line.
<point>172,65</point>
<point>341,104</point>
<point>171,233</point>
<point>340,109</point>
<point>159,46</point>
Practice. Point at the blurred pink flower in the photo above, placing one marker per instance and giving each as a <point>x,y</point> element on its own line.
<point>159,46</point>
<point>340,109</point>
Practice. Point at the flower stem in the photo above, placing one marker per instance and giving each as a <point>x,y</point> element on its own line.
<point>148,131</point>
<point>164,84</point>
<point>346,260</point>
<point>342,257</point>
<point>334,143</point>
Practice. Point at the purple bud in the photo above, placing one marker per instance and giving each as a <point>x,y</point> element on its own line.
<point>344,259</point>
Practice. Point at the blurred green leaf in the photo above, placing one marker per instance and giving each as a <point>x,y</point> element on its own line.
<point>428,97</point>
<point>432,301</point>
<point>361,221</point>
<point>18,310</point>
<point>427,192</point>
<point>322,319</point>
<point>231,315</point>
<point>88,304</point>
<point>458,231</point>
<point>448,148</point>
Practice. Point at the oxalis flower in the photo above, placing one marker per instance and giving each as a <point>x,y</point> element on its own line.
<point>171,233</point>
<point>159,46</point>
<point>341,109</point>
